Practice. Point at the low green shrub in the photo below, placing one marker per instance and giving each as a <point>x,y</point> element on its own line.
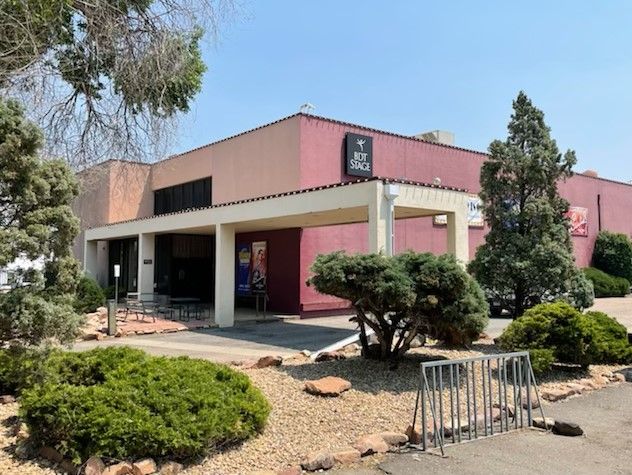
<point>610,344</point>
<point>122,403</point>
<point>541,360</point>
<point>568,336</point>
<point>607,285</point>
<point>90,295</point>
<point>613,254</point>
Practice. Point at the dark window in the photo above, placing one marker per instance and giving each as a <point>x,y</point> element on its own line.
<point>194,194</point>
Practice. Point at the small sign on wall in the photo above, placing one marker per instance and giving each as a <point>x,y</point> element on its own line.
<point>148,261</point>
<point>359,155</point>
<point>474,214</point>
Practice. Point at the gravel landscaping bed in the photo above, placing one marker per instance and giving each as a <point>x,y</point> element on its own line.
<point>379,400</point>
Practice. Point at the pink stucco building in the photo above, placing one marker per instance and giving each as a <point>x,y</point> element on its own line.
<point>295,153</point>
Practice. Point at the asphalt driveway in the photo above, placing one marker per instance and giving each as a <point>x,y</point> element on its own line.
<point>606,447</point>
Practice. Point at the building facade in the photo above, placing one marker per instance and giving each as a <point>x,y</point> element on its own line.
<point>294,163</point>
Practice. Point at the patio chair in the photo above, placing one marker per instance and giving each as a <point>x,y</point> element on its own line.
<point>132,305</point>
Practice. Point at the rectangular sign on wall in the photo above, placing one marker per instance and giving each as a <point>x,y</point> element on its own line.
<point>358,155</point>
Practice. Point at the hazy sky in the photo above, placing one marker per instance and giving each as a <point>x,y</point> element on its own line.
<point>413,66</point>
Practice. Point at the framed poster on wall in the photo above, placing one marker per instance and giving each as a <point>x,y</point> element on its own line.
<point>243,269</point>
<point>259,267</point>
<point>578,220</point>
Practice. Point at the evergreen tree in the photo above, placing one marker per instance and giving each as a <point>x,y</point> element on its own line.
<point>527,257</point>
<point>36,223</point>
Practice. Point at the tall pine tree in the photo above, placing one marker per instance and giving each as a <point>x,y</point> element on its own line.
<point>527,257</point>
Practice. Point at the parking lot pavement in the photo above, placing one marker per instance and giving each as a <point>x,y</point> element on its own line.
<point>606,448</point>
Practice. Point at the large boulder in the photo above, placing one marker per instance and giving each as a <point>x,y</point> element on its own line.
<point>7,399</point>
<point>330,386</point>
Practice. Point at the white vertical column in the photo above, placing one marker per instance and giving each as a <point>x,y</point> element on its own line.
<point>378,216</point>
<point>90,258</point>
<point>146,258</point>
<point>458,236</point>
<point>225,275</point>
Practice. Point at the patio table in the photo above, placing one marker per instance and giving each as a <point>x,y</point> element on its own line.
<point>184,303</point>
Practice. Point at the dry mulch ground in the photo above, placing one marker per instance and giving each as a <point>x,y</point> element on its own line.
<point>379,400</point>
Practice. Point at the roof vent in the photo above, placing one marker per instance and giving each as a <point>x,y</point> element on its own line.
<point>437,136</point>
<point>591,173</point>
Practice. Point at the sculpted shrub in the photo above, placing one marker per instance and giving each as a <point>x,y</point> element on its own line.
<point>403,296</point>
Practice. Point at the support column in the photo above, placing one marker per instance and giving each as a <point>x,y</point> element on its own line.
<point>225,275</point>
<point>90,258</point>
<point>146,258</point>
<point>458,236</point>
<point>378,215</point>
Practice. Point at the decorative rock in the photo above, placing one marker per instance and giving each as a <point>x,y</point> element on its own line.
<point>534,402</point>
<point>329,356</point>
<point>352,348</point>
<point>371,444</point>
<point>546,423</point>
<point>557,394</point>
<point>567,428</point>
<point>144,467</point>
<point>267,361</point>
<point>347,457</point>
<point>509,408</point>
<point>21,432</point>
<point>414,436</point>
<point>295,470</point>
<point>122,468</point>
<point>418,341</point>
<point>588,383</point>
<point>618,378</point>
<point>50,454</point>
<point>394,438</point>
<point>7,399</point>
<point>68,467</point>
<point>100,336</point>
<point>628,375</point>
<point>328,386</point>
<point>171,468</point>
<point>306,353</point>
<point>94,466</point>
<point>318,461</point>
<point>576,388</point>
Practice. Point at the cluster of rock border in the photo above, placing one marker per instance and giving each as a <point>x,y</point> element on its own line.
<point>583,385</point>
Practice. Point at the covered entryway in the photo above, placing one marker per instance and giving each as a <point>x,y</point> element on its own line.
<point>378,201</point>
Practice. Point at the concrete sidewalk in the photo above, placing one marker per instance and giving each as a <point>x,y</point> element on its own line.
<point>244,341</point>
<point>606,448</point>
